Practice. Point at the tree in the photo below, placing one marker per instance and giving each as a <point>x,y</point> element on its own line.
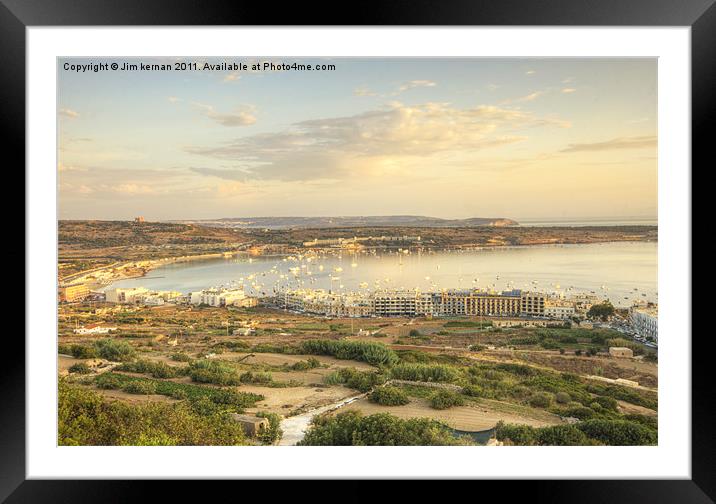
<point>601,311</point>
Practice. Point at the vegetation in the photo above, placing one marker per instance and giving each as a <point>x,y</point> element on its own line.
<point>85,418</point>
<point>601,311</point>
<point>424,372</point>
<point>114,350</point>
<point>353,429</point>
<point>541,400</point>
<point>157,369</point>
<point>274,432</point>
<point>373,353</point>
<point>467,323</point>
<point>214,371</point>
<point>444,399</point>
<point>78,351</point>
<point>389,396</point>
<point>589,432</point>
<point>140,387</point>
<point>259,378</point>
<point>311,363</point>
<point>80,368</point>
<point>227,399</point>
<point>362,381</point>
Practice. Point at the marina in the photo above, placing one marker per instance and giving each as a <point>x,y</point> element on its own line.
<point>624,272</point>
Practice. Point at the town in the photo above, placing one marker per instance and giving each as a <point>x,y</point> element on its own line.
<point>505,309</point>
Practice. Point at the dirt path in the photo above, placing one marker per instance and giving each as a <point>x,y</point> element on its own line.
<point>467,418</point>
<point>295,427</point>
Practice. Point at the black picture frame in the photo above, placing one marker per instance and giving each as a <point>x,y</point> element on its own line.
<point>700,15</point>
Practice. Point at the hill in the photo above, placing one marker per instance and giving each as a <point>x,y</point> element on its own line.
<point>351,221</point>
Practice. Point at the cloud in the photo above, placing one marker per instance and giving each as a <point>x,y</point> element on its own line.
<point>528,98</point>
<point>222,173</point>
<point>568,90</point>
<point>530,72</point>
<point>637,142</point>
<point>363,91</point>
<point>420,83</point>
<point>101,181</point>
<point>638,121</point>
<point>233,76</point>
<point>61,167</point>
<point>173,99</point>
<point>335,148</point>
<point>241,117</point>
<point>69,113</point>
<point>415,84</point>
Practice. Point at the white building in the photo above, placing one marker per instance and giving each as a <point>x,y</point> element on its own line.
<point>131,295</point>
<point>402,303</point>
<point>94,329</point>
<point>218,297</point>
<point>645,322</point>
<point>559,309</point>
<point>141,295</point>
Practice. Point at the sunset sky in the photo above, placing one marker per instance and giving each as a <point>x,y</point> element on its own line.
<point>453,138</point>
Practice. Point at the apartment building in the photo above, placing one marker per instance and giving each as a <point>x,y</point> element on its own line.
<point>532,304</point>
<point>402,303</point>
<point>645,322</point>
<point>73,293</point>
<point>475,303</point>
<point>558,309</point>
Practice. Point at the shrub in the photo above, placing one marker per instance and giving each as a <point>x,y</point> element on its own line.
<point>362,381</point>
<point>229,400</point>
<point>562,397</point>
<point>212,371</point>
<point>373,353</point>
<point>85,419</point>
<point>80,368</point>
<point>516,369</point>
<point>157,369</point>
<point>414,333</point>
<point>541,400</point>
<point>607,403</point>
<point>83,352</point>
<point>274,432</point>
<point>445,399</point>
<point>474,391</point>
<point>648,421</point>
<point>257,378</point>
<point>181,357</point>
<point>424,372</point>
<point>618,432</point>
<point>140,387</point>
<point>561,435</point>
<point>311,363</point>
<point>522,435</point>
<point>389,396</point>
<point>651,357</point>
<point>353,429</point>
<point>109,381</point>
<point>581,412</point>
<point>113,350</point>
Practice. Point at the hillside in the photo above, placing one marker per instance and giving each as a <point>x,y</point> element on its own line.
<point>98,234</point>
<point>352,221</point>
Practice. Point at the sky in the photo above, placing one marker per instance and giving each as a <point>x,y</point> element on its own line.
<point>441,137</point>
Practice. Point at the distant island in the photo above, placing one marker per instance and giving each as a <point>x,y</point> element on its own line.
<point>351,221</point>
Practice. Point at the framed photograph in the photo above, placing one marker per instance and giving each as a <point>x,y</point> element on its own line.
<point>444,242</point>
